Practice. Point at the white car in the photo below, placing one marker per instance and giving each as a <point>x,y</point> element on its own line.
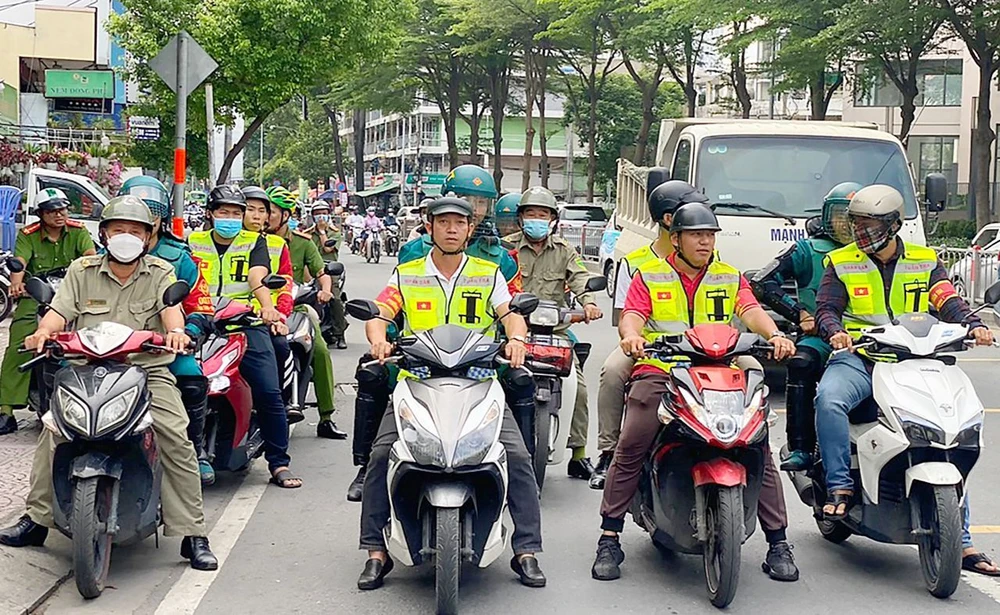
<point>963,277</point>
<point>606,255</point>
<point>986,235</point>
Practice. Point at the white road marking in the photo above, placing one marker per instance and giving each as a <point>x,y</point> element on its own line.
<point>188,592</point>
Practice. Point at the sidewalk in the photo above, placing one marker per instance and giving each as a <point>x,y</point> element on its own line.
<point>30,574</point>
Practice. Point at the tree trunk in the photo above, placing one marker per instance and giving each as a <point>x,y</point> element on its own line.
<point>739,78</point>
<point>543,160</point>
<point>982,140</point>
<point>231,155</point>
<point>908,113</point>
<point>474,124</point>
<point>690,64</point>
<point>817,94</point>
<point>499,80</point>
<point>359,150</point>
<point>451,115</point>
<point>648,117</point>
<point>529,123</point>
<point>338,146</point>
<point>592,139</point>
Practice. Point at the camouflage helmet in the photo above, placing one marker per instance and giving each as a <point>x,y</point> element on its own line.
<point>151,191</point>
<point>538,197</point>
<point>129,208</point>
<point>470,180</point>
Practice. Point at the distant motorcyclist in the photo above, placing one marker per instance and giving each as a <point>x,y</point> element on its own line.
<point>803,262</point>
<point>419,230</point>
<point>321,233</point>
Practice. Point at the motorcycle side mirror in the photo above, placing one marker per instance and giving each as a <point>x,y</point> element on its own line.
<point>274,282</point>
<point>935,192</point>
<point>176,293</point>
<point>523,304</point>
<point>362,309</point>
<point>39,290</point>
<point>14,265</point>
<point>596,284</point>
<point>331,243</point>
<point>333,268</point>
<point>992,296</point>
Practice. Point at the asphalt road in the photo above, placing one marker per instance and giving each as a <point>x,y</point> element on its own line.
<point>296,551</point>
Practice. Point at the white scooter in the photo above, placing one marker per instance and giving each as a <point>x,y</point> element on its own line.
<point>914,455</point>
<point>447,472</point>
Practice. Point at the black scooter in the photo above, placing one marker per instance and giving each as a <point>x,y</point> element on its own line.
<point>300,338</point>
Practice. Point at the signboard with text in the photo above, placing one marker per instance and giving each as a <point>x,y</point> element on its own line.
<point>93,84</point>
<point>144,128</point>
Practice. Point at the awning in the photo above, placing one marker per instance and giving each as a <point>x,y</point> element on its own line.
<point>378,190</point>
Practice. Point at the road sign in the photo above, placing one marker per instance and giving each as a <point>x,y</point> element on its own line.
<point>144,128</point>
<point>341,187</point>
<point>199,64</point>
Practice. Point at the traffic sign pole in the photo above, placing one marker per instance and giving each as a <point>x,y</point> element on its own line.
<point>180,142</point>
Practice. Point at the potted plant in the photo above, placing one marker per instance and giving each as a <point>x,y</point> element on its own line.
<point>94,153</point>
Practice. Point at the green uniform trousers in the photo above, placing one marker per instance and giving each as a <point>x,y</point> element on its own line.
<point>14,384</point>
<point>180,494</point>
<point>323,381</point>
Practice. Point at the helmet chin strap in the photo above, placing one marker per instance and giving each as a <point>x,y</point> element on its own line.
<point>446,252</point>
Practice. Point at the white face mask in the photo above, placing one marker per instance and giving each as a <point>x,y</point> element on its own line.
<point>125,248</point>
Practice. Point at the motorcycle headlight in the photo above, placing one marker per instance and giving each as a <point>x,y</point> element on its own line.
<point>116,411</point>
<point>544,317</point>
<point>725,413</point>
<point>970,432</point>
<point>920,431</point>
<point>473,446</point>
<point>73,412</point>
<point>425,447</point>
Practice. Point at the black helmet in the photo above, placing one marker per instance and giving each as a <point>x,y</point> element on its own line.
<point>255,192</point>
<point>667,197</point>
<point>694,217</point>
<point>226,195</point>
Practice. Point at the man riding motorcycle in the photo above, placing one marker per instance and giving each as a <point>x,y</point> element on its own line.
<point>660,300</point>
<point>372,225</point>
<point>197,308</point>
<point>234,262</point>
<point>662,202</point>
<point>305,256</point>
<point>803,262</point>
<point>867,283</point>
<point>125,286</point>
<point>449,272</point>
<point>53,242</point>
<point>548,264</point>
<point>320,233</point>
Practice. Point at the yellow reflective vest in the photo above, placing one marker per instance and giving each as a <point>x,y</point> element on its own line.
<point>425,304</point>
<point>226,275</point>
<point>866,300</point>
<point>275,246</point>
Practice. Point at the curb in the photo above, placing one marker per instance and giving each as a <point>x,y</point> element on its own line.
<point>33,574</point>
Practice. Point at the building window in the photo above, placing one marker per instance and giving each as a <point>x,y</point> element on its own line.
<point>934,155</point>
<point>763,90</point>
<point>939,84</point>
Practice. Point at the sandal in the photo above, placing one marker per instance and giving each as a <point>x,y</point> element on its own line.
<point>971,563</point>
<point>837,499</point>
<point>283,477</point>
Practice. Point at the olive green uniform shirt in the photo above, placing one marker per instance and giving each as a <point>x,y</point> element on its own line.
<point>40,254</point>
<point>546,274</point>
<point>90,294</point>
<point>305,256</point>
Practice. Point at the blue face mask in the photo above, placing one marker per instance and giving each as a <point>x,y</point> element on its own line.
<point>537,229</point>
<point>293,224</point>
<point>228,228</point>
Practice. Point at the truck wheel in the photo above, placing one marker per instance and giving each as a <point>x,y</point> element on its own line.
<point>91,538</point>
<point>447,560</point>
<point>941,549</point>
<point>726,531</point>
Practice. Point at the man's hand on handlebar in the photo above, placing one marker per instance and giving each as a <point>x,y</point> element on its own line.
<point>324,296</point>
<point>783,347</point>
<point>807,323</point>
<point>270,315</point>
<point>633,346</point>
<point>279,328</point>
<point>381,350</point>
<point>36,341</point>
<point>177,342</point>
<point>515,351</point>
<point>16,289</point>
<point>982,335</point>
<point>591,312</point>
<point>841,341</point>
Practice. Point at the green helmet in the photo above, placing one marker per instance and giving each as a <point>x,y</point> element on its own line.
<point>470,180</point>
<point>507,205</point>
<point>538,197</point>
<point>834,217</point>
<point>127,207</point>
<point>151,191</point>
<point>281,198</point>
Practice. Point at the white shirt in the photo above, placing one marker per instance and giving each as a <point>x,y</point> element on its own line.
<point>498,297</point>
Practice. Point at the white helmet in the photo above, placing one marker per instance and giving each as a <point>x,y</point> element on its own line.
<point>876,201</point>
<point>51,199</point>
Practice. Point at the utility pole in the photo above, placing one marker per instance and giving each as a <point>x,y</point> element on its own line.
<point>260,162</point>
<point>213,171</point>
<point>180,139</point>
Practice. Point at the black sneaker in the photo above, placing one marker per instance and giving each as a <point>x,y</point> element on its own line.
<point>779,563</point>
<point>601,471</point>
<point>609,558</point>
<point>580,468</point>
<point>8,424</point>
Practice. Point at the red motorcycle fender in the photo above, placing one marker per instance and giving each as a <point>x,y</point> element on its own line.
<point>719,471</point>
<point>241,401</point>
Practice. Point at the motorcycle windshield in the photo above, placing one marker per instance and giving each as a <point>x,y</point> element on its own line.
<point>450,347</point>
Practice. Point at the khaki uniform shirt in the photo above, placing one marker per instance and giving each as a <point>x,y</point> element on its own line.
<point>90,294</point>
<point>546,274</point>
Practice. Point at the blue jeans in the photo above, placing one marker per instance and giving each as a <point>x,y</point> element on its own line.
<point>846,383</point>
<point>260,369</point>
<point>966,522</point>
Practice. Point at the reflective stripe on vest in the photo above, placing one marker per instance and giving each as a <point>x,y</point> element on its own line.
<point>637,258</point>
<point>714,300</point>
<point>226,276</point>
<point>866,301</point>
<point>425,305</point>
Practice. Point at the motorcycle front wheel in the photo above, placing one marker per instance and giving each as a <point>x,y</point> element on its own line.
<point>940,548</point>
<point>447,560</point>
<point>6,305</point>
<point>543,429</point>
<point>726,531</point>
<point>91,541</point>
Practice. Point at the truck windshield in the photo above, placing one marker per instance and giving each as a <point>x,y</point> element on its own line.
<point>791,175</point>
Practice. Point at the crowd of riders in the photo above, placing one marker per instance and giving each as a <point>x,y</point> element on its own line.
<point>674,283</point>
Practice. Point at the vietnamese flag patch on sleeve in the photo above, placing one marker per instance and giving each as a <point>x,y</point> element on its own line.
<point>423,305</point>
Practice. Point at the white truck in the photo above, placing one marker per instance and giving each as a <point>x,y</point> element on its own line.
<point>86,198</point>
<point>766,178</point>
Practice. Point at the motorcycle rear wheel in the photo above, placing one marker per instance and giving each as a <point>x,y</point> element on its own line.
<point>447,560</point>
<point>726,531</point>
<point>941,551</point>
<point>543,428</point>
<point>91,540</point>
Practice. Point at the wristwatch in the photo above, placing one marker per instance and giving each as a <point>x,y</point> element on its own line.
<point>519,338</point>
<point>778,333</point>
<point>178,330</point>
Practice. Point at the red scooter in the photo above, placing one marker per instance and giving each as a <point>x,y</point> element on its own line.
<point>699,487</point>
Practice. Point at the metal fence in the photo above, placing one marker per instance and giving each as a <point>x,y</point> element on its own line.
<point>971,270</point>
<point>585,239</point>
